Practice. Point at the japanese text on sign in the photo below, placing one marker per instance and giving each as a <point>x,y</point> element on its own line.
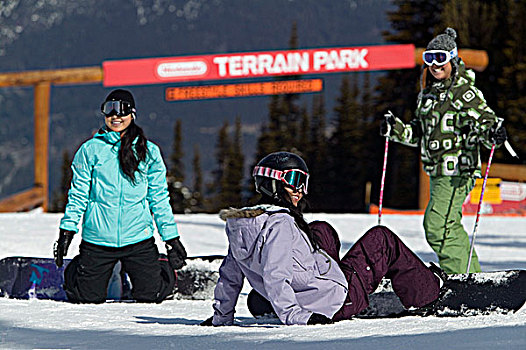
<point>240,90</point>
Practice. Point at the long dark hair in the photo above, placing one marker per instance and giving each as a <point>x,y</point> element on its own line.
<point>283,199</point>
<point>129,156</point>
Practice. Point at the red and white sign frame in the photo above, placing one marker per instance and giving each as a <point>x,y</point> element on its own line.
<point>257,64</point>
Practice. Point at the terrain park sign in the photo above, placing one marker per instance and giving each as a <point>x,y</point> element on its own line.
<point>182,69</point>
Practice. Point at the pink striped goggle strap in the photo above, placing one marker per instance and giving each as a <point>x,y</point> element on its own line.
<point>295,178</point>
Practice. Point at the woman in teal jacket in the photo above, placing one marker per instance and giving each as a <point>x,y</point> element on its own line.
<point>119,182</point>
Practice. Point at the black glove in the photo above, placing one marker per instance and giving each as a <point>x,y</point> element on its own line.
<point>61,246</point>
<point>176,253</point>
<point>207,322</point>
<point>416,127</point>
<point>498,135</point>
<point>319,319</point>
<point>466,130</point>
<point>387,123</point>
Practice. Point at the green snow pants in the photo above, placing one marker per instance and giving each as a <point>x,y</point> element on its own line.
<point>442,223</point>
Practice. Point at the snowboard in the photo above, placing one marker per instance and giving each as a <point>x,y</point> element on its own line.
<point>197,280</point>
<point>463,295</point>
<point>40,278</point>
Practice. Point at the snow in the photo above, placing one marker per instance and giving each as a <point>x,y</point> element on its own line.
<point>45,324</point>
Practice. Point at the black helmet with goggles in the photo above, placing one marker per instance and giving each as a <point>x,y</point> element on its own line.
<point>289,168</point>
<point>119,102</point>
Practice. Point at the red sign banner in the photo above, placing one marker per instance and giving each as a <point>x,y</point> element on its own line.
<point>257,64</point>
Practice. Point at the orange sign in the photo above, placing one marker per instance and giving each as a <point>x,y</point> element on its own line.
<point>247,89</point>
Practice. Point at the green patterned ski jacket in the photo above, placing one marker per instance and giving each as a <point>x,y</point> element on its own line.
<point>450,124</point>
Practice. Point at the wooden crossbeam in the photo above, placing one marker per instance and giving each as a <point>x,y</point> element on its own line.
<point>23,201</point>
<point>83,75</point>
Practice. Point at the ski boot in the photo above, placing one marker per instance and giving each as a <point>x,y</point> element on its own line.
<point>430,308</point>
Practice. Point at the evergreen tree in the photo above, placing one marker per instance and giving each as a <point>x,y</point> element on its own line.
<point>232,181</point>
<point>197,197</point>
<point>414,22</point>
<point>304,132</point>
<point>371,146</point>
<point>60,198</point>
<point>179,194</point>
<point>512,91</point>
<point>317,154</point>
<point>498,28</point>
<point>238,161</point>
<point>480,25</point>
<point>289,110</point>
<point>269,139</point>
<point>216,189</point>
<point>345,188</point>
<point>177,169</point>
<point>281,132</point>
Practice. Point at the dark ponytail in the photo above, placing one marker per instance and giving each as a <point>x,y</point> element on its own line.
<point>283,199</point>
<point>129,156</point>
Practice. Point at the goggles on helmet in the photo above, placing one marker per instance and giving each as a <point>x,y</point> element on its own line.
<point>118,108</point>
<point>295,178</point>
<point>438,57</point>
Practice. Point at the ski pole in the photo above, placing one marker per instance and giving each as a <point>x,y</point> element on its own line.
<point>383,181</point>
<point>383,178</point>
<point>480,206</point>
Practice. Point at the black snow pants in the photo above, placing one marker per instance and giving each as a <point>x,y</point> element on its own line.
<point>87,276</point>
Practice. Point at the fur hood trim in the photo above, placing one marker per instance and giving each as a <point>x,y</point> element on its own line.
<point>250,212</point>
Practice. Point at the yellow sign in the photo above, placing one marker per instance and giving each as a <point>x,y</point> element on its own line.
<point>491,193</point>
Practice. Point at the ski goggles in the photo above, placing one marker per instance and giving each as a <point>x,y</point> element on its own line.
<point>295,178</point>
<point>118,108</point>
<point>438,57</point>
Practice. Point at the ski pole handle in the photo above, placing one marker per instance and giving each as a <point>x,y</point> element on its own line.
<point>510,149</point>
<point>506,143</point>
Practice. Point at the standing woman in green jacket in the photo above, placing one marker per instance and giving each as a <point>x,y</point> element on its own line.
<point>119,182</point>
<point>451,121</point>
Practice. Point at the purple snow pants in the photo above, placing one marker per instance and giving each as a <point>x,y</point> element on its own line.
<point>378,253</point>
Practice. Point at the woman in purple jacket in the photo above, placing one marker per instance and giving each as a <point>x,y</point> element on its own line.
<point>294,267</point>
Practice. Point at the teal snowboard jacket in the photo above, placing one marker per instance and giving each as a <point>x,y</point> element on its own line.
<point>117,212</point>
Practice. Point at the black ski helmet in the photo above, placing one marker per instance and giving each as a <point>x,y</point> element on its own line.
<point>276,161</point>
<point>123,96</point>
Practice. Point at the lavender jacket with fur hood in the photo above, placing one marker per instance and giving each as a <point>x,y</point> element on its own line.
<point>276,257</point>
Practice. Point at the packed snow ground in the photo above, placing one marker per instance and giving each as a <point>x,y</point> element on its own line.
<point>44,324</point>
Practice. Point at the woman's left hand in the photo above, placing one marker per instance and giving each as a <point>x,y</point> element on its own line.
<point>176,253</point>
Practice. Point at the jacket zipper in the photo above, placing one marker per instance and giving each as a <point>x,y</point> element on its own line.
<point>119,222</point>
<point>262,239</point>
<point>261,248</point>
